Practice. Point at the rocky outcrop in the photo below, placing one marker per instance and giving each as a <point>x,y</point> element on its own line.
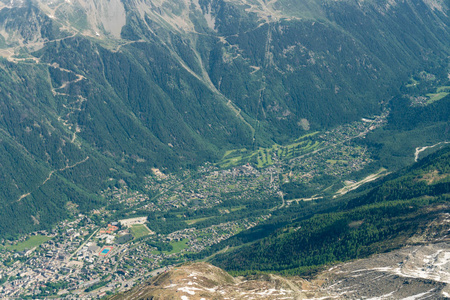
<point>204,281</point>
<point>416,272</point>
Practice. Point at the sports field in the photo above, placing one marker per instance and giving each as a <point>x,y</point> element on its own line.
<point>139,230</point>
<point>105,250</point>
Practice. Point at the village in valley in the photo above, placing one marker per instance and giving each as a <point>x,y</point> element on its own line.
<point>80,259</point>
<point>110,249</point>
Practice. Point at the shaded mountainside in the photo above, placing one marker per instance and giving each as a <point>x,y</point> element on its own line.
<point>392,214</point>
<point>86,102</point>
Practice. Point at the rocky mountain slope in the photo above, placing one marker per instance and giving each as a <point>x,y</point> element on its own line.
<point>419,272</point>
<point>95,92</point>
<point>204,281</point>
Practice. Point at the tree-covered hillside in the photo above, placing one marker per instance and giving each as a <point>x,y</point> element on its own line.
<point>94,92</point>
<point>381,218</point>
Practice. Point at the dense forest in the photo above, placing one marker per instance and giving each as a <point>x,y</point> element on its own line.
<point>381,218</point>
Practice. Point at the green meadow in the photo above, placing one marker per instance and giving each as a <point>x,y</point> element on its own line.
<point>29,243</point>
<point>264,157</point>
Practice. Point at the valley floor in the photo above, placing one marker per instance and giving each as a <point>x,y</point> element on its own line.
<point>190,213</point>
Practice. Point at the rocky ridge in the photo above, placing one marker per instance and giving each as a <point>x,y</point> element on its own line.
<point>415,272</point>
<point>204,281</point>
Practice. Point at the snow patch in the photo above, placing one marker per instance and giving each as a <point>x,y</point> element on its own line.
<point>189,289</point>
<point>267,292</point>
<point>387,296</point>
<point>418,296</point>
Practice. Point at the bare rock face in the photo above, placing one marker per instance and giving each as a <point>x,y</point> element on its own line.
<point>416,272</point>
<point>104,17</point>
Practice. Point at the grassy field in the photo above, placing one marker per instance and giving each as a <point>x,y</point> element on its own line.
<point>263,157</point>
<point>178,246</point>
<point>139,231</point>
<point>193,221</point>
<point>412,82</point>
<point>333,161</point>
<point>439,93</point>
<point>444,88</point>
<point>436,97</point>
<point>233,209</point>
<point>31,242</point>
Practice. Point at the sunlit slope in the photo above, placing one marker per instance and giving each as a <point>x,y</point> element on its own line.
<point>171,84</point>
<point>407,207</point>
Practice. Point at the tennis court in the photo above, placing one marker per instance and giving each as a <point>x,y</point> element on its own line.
<point>105,251</point>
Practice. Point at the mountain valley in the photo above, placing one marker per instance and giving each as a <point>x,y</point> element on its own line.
<point>273,139</point>
<point>174,84</point>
